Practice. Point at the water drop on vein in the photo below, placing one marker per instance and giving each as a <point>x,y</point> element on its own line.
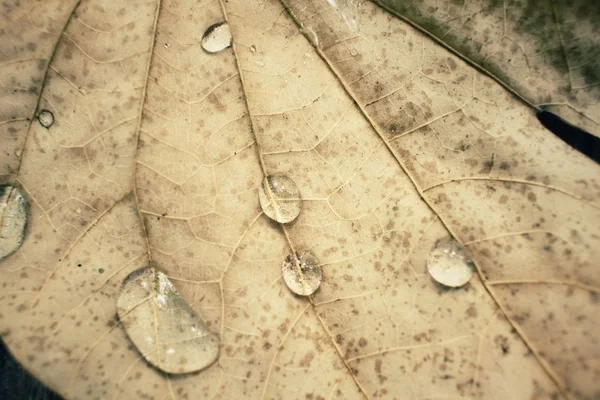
<point>217,37</point>
<point>161,324</point>
<point>302,273</point>
<point>448,263</point>
<point>13,219</point>
<point>46,118</point>
<point>280,198</point>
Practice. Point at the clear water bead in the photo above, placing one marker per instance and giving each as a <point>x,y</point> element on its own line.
<point>161,324</point>
<point>46,118</point>
<point>302,273</point>
<point>280,198</point>
<point>448,263</point>
<point>217,37</point>
<point>13,219</point>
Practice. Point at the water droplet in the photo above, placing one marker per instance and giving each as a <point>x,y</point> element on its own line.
<point>217,37</point>
<point>13,218</point>
<point>46,118</point>
<point>302,273</point>
<point>449,264</point>
<point>280,198</point>
<point>353,52</point>
<point>158,320</point>
<point>253,49</point>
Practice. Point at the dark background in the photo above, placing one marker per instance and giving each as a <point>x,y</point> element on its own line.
<point>16,383</point>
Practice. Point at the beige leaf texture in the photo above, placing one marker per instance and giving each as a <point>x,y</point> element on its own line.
<point>546,51</point>
<point>157,156</point>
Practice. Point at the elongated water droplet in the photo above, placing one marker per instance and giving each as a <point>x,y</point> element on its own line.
<point>217,37</point>
<point>46,118</point>
<point>161,324</point>
<point>302,273</point>
<point>13,219</point>
<point>280,198</point>
<point>449,264</point>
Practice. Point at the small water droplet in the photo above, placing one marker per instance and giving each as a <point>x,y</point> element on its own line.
<point>217,37</point>
<point>353,52</point>
<point>161,324</point>
<point>280,198</point>
<point>449,264</point>
<point>13,219</point>
<point>302,273</point>
<point>253,49</point>
<point>46,118</point>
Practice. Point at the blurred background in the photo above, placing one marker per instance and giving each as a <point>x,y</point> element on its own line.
<point>17,384</point>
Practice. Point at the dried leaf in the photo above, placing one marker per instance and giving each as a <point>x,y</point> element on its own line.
<point>158,152</point>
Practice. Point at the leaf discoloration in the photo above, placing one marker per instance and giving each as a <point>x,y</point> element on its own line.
<point>159,150</point>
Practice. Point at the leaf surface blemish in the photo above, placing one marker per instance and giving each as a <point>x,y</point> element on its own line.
<point>159,155</point>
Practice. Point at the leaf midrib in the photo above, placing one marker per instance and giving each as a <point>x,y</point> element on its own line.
<point>285,232</point>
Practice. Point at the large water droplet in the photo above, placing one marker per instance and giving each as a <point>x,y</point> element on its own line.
<point>302,273</point>
<point>449,264</point>
<point>280,198</point>
<point>13,218</point>
<point>217,37</point>
<point>46,118</point>
<point>161,324</point>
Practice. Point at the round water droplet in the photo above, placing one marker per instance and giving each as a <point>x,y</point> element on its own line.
<point>280,198</point>
<point>46,118</point>
<point>217,37</point>
<point>302,273</point>
<point>13,219</point>
<point>449,264</point>
<point>158,321</point>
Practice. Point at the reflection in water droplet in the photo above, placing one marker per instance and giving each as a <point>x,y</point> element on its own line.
<point>46,118</point>
<point>348,10</point>
<point>13,218</point>
<point>280,198</point>
<point>161,324</point>
<point>449,264</point>
<point>217,37</point>
<point>302,273</point>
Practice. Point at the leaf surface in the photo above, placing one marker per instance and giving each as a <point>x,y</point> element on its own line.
<point>546,51</point>
<point>158,152</point>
